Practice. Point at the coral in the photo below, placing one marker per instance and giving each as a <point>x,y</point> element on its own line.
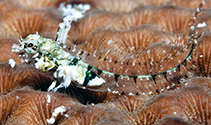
<point>92,21</point>
<point>5,51</point>
<point>22,75</point>
<point>116,6</point>
<point>153,2</point>
<point>127,103</point>
<point>172,121</point>
<point>97,114</point>
<point>203,56</point>
<point>190,103</point>
<point>199,81</point>
<point>159,63</point>
<point>86,96</point>
<point>6,5</point>
<point>139,16</point>
<point>21,22</point>
<point>36,107</point>
<point>188,4</point>
<point>37,3</point>
<point>173,19</point>
<point>8,103</point>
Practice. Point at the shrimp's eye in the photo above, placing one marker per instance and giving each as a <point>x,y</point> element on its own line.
<point>30,45</point>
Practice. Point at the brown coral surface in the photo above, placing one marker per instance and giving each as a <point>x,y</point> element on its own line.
<point>146,38</point>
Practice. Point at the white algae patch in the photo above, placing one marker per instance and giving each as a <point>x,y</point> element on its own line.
<point>48,97</point>
<point>200,25</point>
<point>77,11</point>
<point>12,63</point>
<point>56,112</point>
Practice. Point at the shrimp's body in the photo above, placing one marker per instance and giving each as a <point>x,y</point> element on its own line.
<point>53,56</point>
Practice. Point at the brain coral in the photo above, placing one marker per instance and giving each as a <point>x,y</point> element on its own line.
<point>129,37</point>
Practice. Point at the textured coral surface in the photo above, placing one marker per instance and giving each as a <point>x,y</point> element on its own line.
<point>143,37</point>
